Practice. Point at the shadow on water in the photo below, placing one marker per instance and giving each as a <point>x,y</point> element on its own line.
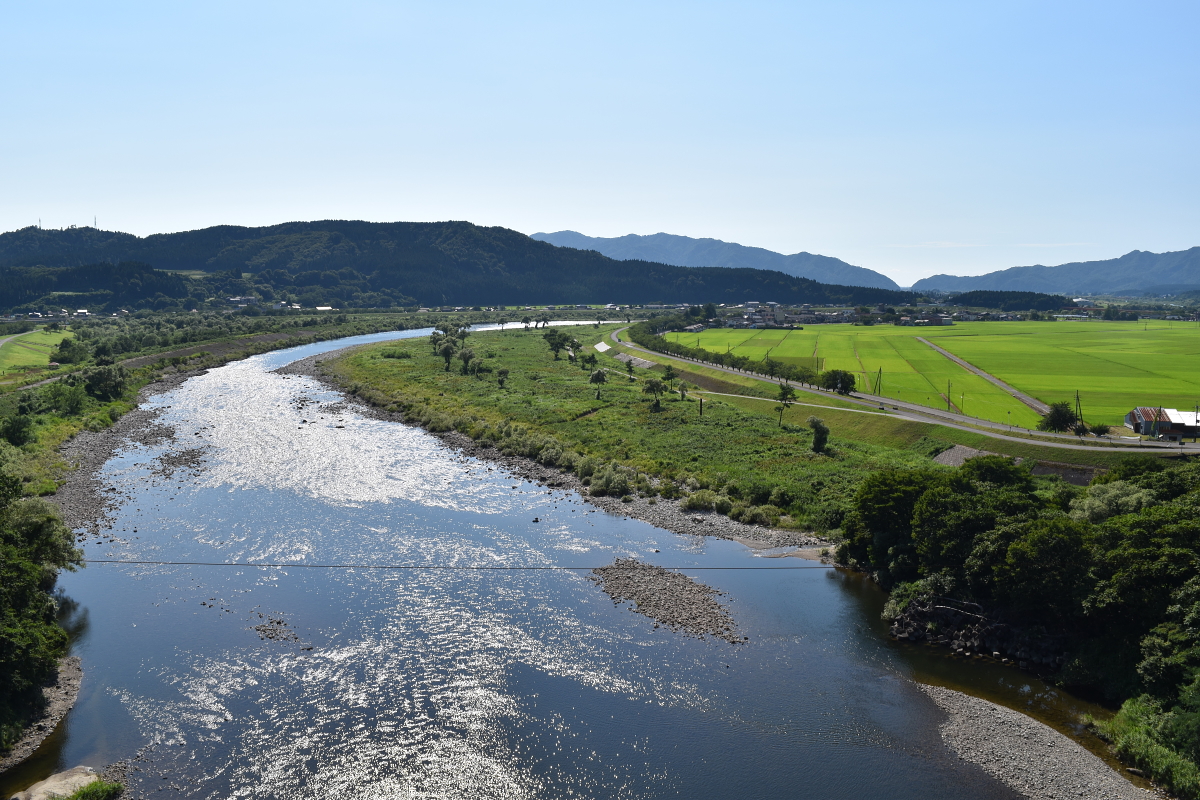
<point>981,677</point>
<point>46,760</point>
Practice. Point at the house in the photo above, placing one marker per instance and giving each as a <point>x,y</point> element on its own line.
<point>1163,423</point>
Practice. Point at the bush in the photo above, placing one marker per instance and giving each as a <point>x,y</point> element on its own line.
<point>97,790</point>
<point>767,515</point>
<point>1135,733</point>
<point>18,430</point>
<point>610,481</point>
<point>106,383</point>
<point>820,434</point>
<point>703,500</point>
<point>722,504</point>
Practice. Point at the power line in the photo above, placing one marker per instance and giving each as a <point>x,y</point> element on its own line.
<point>417,566</point>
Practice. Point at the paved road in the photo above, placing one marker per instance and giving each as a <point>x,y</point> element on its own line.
<point>1036,405</point>
<point>916,413</point>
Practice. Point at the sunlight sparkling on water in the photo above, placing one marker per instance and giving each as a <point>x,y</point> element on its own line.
<point>438,683</point>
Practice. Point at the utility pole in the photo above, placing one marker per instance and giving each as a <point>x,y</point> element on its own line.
<point>702,406</point>
<point>947,396</point>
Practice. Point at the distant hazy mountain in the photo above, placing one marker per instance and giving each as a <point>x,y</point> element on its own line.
<point>1135,273</point>
<point>684,251</point>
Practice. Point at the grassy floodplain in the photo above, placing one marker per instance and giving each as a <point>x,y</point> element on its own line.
<point>1113,365</point>
<point>29,350</point>
<point>737,446</point>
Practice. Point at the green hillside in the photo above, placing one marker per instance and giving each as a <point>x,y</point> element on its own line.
<point>367,264</point>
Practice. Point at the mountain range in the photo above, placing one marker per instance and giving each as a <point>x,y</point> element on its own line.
<point>684,251</point>
<point>1137,272</point>
<point>369,264</point>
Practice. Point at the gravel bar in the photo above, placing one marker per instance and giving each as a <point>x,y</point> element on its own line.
<point>1032,758</point>
<point>669,598</point>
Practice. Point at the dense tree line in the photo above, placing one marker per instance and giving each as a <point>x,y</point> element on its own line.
<point>361,264</point>
<point>1012,301</point>
<point>1111,573</point>
<point>34,546</point>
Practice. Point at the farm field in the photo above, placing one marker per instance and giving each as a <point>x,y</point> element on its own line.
<point>29,350</point>
<point>1114,366</point>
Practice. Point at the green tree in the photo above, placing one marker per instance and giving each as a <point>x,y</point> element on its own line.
<point>787,395</point>
<point>106,382</point>
<point>669,374</point>
<point>838,380</point>
<point>18,429</point>
<point>34,546</point>
<point>656,387</point>
<point>501,377</point>
<point>820,434</point>
<point>1061,417</point>
<point>466,355</point>
<point>629,368</point>
<point>598,377</point>
<point>557,340</point>
<point>525,320</point>
<point>447,351</point>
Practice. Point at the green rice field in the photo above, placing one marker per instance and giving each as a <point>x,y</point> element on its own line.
<point>1114,366</point>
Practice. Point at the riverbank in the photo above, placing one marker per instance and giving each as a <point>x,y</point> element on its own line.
<point>551,477</point>
<point>60,699</point>
<point>658,511</point>
<point>1032,758</point>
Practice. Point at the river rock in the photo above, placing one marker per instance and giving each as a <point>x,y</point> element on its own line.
<point>59,785</point>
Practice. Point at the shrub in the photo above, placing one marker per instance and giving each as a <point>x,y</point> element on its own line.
<point>97,790</point>
<point>820,434</point>
<point>761,515</point>
<point>18,429</point>
<point>610,481</point>
<point>723,504</point>
<point>703,500</point>
<point>1135,732</point>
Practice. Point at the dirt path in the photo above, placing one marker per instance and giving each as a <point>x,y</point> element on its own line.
<point>1036,405</point>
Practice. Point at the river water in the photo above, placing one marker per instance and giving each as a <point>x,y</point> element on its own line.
<point>444,681</point>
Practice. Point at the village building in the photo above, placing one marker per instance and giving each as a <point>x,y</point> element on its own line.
<point>1163,423</point>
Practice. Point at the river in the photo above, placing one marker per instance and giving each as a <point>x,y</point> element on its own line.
<point>446,681</point>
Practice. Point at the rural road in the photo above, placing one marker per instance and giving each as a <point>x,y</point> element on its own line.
<point>916,413</point>
<point>1036,405</point>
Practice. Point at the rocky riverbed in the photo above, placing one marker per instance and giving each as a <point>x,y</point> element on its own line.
<point>669,598</point>
<point>1032,758</point>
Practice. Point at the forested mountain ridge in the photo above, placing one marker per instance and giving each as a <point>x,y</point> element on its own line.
<point>1135,272</point>
<point>684,251</point>
<point>366,264</point>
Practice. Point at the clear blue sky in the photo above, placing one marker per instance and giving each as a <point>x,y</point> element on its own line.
<point>911,138</point>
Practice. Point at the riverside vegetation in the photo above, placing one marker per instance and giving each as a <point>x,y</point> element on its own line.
<point>1097,587</point>
<point>1100,587</point>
